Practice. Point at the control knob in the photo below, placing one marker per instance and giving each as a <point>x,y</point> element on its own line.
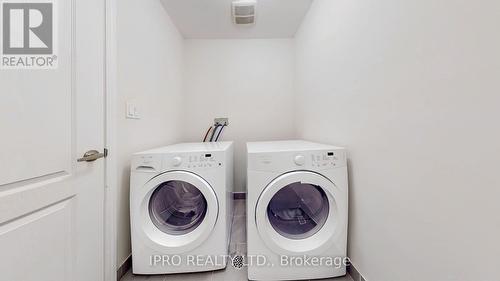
<point>299,160</point>
<point>176,161</point>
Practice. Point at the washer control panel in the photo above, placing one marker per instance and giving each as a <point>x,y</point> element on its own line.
<point>327,159</point>
<point>202,160</point>
<point>298,160</point>
<point>158,163</point>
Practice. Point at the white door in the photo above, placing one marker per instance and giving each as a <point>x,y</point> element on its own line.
<point>51,206</point>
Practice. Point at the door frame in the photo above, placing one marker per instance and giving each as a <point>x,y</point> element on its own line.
<point>111,166</point>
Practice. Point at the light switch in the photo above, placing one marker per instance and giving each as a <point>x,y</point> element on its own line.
<point>132,111</point>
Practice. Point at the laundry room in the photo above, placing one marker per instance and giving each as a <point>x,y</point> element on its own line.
<point>249,140</point>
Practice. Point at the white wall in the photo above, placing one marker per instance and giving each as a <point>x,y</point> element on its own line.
<point>412,89</point>
<point>250,81</point>
<point>150,54</point>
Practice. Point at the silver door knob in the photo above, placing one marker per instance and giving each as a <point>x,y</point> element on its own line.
<point>92,155</point>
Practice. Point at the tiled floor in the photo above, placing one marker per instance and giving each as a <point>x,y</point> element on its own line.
<point>238,245</point>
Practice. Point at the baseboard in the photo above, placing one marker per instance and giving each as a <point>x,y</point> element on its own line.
<point>126,265</point>
<point>355,275</point>
<point>239,195</point>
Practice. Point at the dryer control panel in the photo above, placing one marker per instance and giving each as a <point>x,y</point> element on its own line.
<point>181,161</point>
<point>192,161</point>
<point>204,160</point>
<point>327,159</point>
<point>293,160</point>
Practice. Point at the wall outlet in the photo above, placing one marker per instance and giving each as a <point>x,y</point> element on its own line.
<point>221,121</point>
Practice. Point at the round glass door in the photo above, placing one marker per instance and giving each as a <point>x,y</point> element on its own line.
<point>298,210</point>
<point>177,207</point>
<point>177,213</point>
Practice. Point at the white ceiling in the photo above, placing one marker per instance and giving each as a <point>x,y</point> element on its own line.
<point>212,18</point>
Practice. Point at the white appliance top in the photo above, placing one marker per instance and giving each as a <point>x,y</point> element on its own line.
<point>288,145</point>
<point>189,147</point>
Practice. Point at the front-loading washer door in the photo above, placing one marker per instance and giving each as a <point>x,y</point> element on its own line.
<point>179,211</point>
<point>297,213</point>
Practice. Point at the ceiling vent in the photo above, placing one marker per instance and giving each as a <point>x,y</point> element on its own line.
<point>244,12</point>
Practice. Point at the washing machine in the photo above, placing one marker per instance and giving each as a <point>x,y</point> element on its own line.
<point>181,208</point>
<point>296,210</point>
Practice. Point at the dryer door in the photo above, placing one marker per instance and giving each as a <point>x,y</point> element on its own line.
<point>179,211</point>
<point>298,213</point>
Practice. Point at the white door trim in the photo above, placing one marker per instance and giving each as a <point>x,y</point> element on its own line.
<point>111,173</point>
